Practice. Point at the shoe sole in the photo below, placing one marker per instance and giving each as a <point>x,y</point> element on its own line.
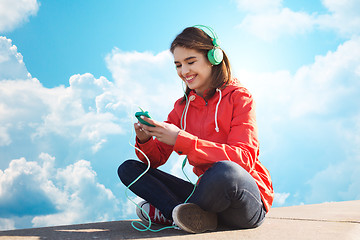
<point>191,218</point>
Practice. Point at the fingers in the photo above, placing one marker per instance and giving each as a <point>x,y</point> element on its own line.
<point>151,121</point>
<point>147,129</point>
<point>142,129</point>
<point>142,135</point>
<point>138,127</point>
<point>156,131</point>
<point>164,132</point>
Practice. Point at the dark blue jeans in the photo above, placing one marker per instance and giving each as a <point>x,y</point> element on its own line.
<point>225,188</point>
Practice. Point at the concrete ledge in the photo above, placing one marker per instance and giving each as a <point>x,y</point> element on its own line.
<point>338,220</point>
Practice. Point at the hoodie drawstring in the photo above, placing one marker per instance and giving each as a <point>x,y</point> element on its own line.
<point>184,115</point>
<point>216,111</point>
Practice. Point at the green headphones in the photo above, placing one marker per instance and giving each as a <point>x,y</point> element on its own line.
<point>214,55</point>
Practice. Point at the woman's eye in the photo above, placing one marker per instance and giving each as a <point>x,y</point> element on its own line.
<point>177,66</point>
<point>191,62</point>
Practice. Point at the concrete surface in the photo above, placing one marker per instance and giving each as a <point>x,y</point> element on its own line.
<point>337,220</point>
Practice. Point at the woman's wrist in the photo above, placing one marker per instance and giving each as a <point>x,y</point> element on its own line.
<point>142,141</point>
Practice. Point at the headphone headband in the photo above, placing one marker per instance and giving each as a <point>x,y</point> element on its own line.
<point>215,55</point>
<point>212,34</point>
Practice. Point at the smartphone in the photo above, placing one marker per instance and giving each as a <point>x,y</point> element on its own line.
<point>143,113</point>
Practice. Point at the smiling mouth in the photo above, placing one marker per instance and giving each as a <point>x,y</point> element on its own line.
<point>190,79</point>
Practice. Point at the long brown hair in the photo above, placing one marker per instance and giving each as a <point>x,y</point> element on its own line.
<point>197,39</point>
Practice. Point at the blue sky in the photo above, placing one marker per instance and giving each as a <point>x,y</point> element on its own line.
<point>72,75</point>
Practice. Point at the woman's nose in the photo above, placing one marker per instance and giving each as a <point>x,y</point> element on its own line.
<point>184,70</point>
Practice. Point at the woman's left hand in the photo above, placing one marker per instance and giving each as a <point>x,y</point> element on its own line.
<point>164,132</point>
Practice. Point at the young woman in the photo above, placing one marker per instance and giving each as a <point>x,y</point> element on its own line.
<point>215,126</point>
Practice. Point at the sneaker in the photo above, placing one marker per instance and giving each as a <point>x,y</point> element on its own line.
<point>191,218</point>
<point>155,215</point>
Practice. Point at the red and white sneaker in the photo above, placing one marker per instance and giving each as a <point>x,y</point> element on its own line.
<point>155,215</point>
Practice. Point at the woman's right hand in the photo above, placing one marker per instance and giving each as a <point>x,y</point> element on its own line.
<point>140,134</point>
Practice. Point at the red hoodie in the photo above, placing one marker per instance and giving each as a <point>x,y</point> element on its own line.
<point>223,128</point>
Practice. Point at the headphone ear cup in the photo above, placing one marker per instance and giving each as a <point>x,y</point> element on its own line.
<point>215,56</point>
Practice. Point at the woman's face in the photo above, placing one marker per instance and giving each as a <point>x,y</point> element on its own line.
<point>193,68</point>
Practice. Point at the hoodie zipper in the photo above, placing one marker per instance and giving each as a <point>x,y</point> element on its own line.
<point>206,111</point>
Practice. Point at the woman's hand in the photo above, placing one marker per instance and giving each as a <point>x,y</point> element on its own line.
<point>164,132</point>
<point>140,133</point>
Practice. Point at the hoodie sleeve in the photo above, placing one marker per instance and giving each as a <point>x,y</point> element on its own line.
<point>157,152</point>
<point>241,146</point>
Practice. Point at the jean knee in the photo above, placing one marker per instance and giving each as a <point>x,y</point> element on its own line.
<point>126,168</point>
<point>122,168</point>
<point>228,171</point>
<point>230,177</point>
<point>236,169</point>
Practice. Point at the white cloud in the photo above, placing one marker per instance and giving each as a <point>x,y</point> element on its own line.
<point>6,224</point>
<point>343,177</point>
<point>146,80</point>
<point>344,17</point>
<point>128,207</point>
<point>86,111</point>
<point>13,13</point>
<point>54,196</point>
<point>84,199</point>
<point>316,112</point>
<point>90,109</point>
<point>270,20</point>
<point>73,113</point>
<point>11,62</point>
<point>333,78</point>
<point>343,174</point>
<point>274,24</point>
<point>81,111</point>
<point>19,181</point>
<point>259,6</point>
<point>280,198</point>
<point>4,137</point>
<point>324,87</point>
